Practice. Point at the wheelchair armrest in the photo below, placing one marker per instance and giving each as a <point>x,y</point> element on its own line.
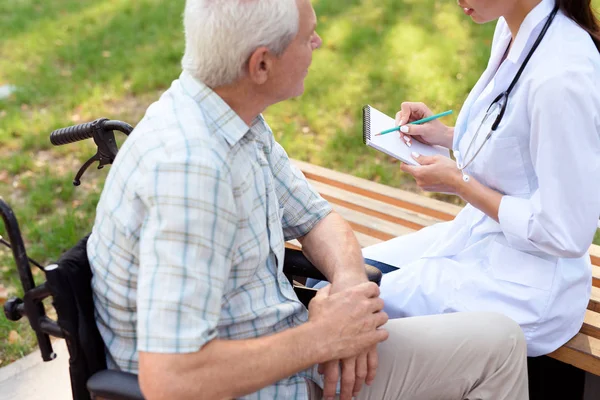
<point>373,274</point>
<point>295,263</point>
<point>115,385</point>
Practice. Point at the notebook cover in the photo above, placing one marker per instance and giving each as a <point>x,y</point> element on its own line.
<point>374,121</point>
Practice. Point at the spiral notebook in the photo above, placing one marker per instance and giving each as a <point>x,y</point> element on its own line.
<point>374,121</point>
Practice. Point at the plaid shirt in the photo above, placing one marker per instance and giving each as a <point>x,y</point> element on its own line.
<point>188,242</point>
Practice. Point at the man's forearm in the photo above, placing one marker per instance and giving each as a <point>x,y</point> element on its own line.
<point>332,247</point>
<point>225,369</point>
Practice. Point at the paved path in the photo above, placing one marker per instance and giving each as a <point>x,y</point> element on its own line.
<point>32,379</point>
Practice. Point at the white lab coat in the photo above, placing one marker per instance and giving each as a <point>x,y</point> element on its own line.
<point>533,266</point>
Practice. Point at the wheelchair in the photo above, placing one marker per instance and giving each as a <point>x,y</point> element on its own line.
<point>68,284</point>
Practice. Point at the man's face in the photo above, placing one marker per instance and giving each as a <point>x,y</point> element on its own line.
<point>291,68</point>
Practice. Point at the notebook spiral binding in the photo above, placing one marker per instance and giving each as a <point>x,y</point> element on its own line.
<point>366,123</point>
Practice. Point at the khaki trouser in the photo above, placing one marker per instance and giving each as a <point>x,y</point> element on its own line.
<point>451,356</point>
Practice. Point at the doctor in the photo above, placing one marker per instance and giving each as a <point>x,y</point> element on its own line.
<point>527,149</point>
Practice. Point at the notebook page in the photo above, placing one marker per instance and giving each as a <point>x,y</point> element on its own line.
<point>393,145</point>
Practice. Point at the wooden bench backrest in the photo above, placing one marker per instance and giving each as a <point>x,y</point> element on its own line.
<point>378,212</point>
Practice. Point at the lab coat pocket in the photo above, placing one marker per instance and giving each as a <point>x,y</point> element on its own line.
<point>505,169</point>
<point>516,266</point>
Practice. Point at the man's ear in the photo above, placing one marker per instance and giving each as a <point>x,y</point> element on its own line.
<point>260,65</point>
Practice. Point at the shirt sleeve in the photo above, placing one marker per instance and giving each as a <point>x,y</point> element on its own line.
<point>302,206</point>
<point>186,252</point>
<point>561,216</point>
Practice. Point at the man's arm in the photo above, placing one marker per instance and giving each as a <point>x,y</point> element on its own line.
<point>345,324</point>
<point>331,246</point>
<point>225,369</point>
<point>329,243</point>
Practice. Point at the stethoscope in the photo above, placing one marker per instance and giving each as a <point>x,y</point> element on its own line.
<point>496,110</point>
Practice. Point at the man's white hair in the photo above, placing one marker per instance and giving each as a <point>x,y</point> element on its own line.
<point>220,35</point>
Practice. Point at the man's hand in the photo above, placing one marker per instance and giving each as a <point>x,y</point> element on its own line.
<point>355,370</point>
<point>349,320</point>
<point>332,247</point>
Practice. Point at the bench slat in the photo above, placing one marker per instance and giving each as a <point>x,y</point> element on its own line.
<point>366,240</point>
<point>596,275</point>
<point>373,207</point>
<point>594,304</point>
<point>401,198</point>
<point>582,351</point>
<point>293,244</point>
<point>595,254</point>
<point>591,324</point>
<point>375,227</point>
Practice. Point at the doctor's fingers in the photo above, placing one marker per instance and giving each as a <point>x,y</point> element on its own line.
<point>409,169</point>
<point>420,172</point>
<point>425,160</point>
<point>411,111</point>
<point>417,131</point>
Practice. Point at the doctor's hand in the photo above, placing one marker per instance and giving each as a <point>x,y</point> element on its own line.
<point>435,174</point>
<point>433,132</point>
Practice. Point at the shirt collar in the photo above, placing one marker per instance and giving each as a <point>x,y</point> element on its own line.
<point>220,118</point>
<point>531,22</point>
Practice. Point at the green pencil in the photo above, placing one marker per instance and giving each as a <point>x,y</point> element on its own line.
<point>419,122</point>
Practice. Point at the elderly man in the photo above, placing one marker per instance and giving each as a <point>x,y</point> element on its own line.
<point>188,244</point>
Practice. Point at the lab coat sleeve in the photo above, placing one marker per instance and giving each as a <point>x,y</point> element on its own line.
<point>561,216</point>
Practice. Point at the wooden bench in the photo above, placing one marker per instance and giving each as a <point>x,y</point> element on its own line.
<point>377,213</point>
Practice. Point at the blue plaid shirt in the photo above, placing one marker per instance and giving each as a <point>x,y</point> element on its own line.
<point>188,242</point>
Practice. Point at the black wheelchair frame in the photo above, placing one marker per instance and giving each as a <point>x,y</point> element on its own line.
<point>68,284</point>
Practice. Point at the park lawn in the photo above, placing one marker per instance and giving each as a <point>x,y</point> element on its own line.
<point>77,60</point>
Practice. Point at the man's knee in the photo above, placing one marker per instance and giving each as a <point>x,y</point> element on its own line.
<point>502,333</point>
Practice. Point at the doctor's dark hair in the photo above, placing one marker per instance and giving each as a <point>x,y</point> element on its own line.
<point>581,11</point>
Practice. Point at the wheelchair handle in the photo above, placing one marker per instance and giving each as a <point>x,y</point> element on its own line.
<point>102,132</point>
<point>76,133</point>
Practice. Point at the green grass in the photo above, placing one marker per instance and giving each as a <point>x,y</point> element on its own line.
<point>77,60</point>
